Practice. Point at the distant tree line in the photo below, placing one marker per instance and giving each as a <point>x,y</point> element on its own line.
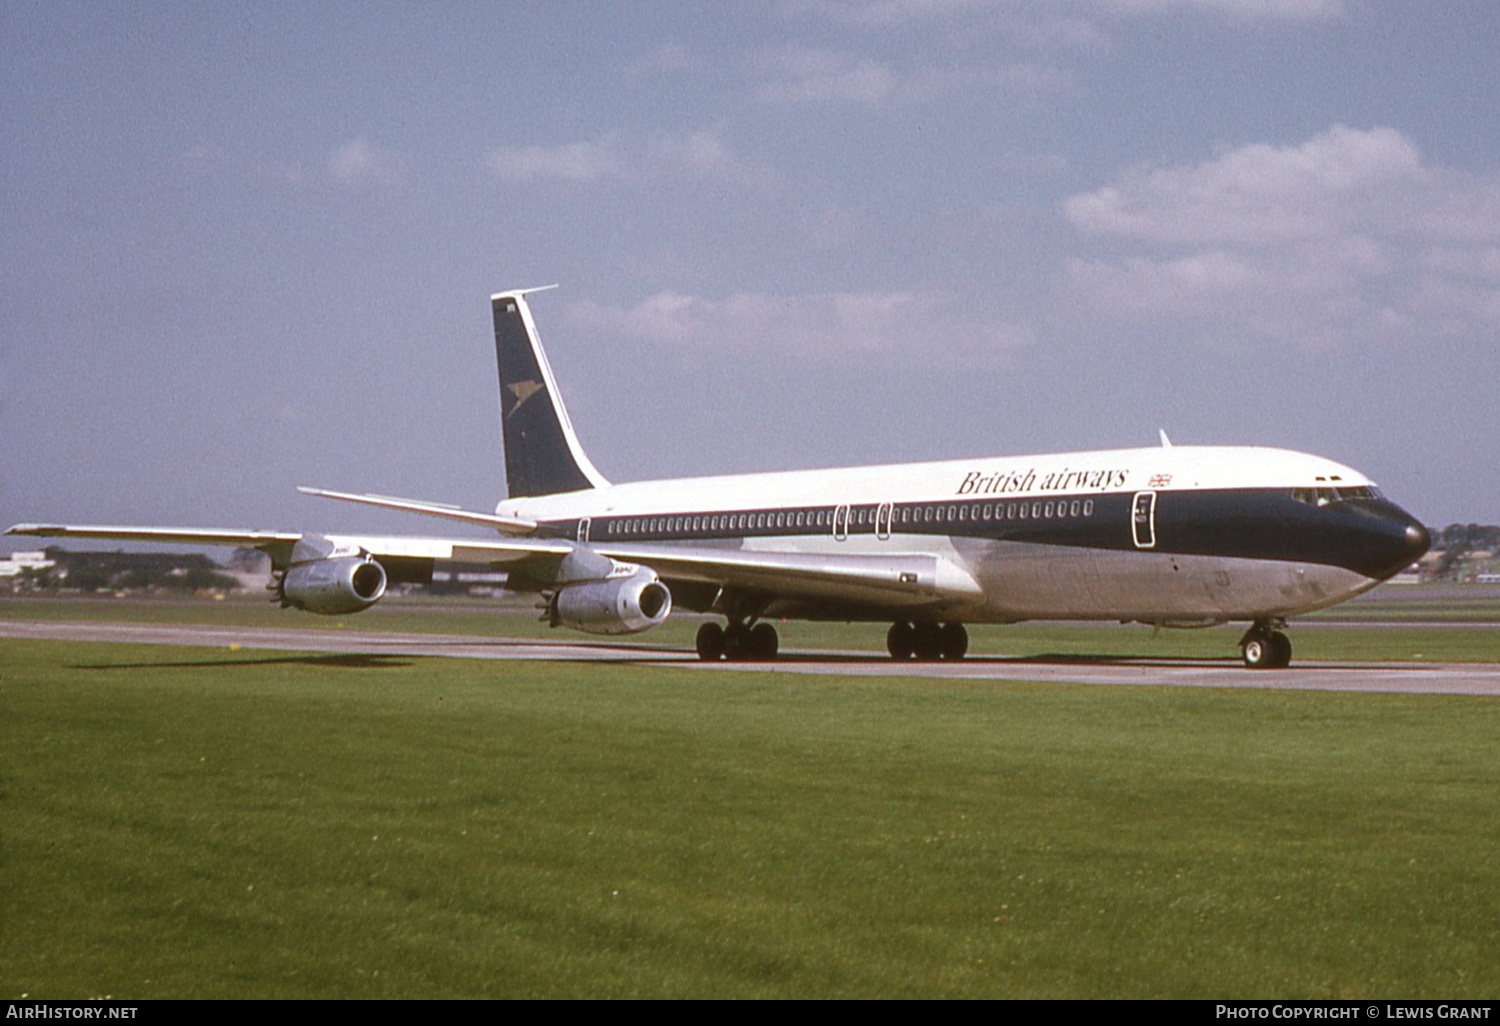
<point>1467,537</point>
<point>1457,541</point>
<point>135,571</point>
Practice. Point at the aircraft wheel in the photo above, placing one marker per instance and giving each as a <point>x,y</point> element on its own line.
<point>763,643</point>
<point>1266,649</point>
<point>710,643</point>
<point>737,642</point>
<point>900,641</point>
<point>927,642</point>
<point>1281,650</point>
<point>1257,653</point>
<point>955,641</point>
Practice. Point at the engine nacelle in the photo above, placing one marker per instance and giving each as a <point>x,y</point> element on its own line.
<point>334,586</point>
<point>618,605</point>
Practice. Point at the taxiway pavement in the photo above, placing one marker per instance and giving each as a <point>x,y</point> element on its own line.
<point>1409,678</point>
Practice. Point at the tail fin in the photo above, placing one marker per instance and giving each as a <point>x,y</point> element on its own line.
<point>542,454</point>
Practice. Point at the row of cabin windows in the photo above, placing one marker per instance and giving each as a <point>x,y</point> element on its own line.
<point>722,522</point>
<point>1036,510</point>
<point>860,516</point>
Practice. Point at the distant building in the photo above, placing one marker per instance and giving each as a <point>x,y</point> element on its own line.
<point>21,569</point>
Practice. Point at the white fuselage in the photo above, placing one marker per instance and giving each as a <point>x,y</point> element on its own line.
<point>1062,536</point>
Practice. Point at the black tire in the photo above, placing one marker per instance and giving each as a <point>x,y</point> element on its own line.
<point>710,643</point>
<point>1268,650</point>
<point>900,641</point>
<point>927,642</point>
<point>1281,650</point>
<point>737,642</point>
<point>955,641</point>
<point>764,642</point>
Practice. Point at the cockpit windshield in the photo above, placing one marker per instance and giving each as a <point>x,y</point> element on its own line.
<point>1327,495</point>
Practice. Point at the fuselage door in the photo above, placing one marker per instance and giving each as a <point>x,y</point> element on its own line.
<point>1143,520</point>
<point>840,523</point>
<point>583,529</point>
<point>883,517</point>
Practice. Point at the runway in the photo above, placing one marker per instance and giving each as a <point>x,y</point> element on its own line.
<point>1405,678</point>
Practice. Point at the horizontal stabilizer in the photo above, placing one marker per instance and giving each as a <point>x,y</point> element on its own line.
<point>505,525</point>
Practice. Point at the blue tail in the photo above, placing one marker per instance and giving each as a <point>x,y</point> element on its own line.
<point>542,454</point>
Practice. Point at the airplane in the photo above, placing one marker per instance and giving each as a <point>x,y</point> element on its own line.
<point>1171,535</point>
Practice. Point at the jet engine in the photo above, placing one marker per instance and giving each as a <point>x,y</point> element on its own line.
<point>320,580</point>
<point>633,600</point>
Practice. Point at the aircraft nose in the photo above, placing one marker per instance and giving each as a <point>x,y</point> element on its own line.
<point>1418,541</point>
<point>1406,540</point>
<point>1393,539</point>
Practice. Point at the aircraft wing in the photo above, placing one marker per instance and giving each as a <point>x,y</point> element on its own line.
<point>895,579</point>
<point>278,544</point>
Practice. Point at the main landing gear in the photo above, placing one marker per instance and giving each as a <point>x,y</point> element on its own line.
<point>927,641</point>
<point>738,643</point>
<point>1266,648</point>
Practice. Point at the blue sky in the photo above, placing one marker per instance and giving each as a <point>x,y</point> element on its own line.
<point>245,247</point>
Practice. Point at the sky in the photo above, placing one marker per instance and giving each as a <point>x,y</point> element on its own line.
<point>245,247</point>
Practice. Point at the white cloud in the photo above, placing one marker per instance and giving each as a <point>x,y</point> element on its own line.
<point>904,13</point>
<point>1282,10</point>
<point>669,57</point>
<point>1346,237</point>
<point>570,162</point>
<point>831,325</point>
<point>809,75</point>
<point>1260,195</point>
<point>358,161</point>
<point>800,74</point>
<point>881,12</point>
<point>700,154</point>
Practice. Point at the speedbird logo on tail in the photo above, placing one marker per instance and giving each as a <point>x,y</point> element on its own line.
<point>522,390</point>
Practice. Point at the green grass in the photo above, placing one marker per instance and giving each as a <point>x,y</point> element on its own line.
<point>204,823</point>
<point>1481,610</point>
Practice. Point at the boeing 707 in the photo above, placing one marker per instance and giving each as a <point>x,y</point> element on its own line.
<point>1174,536</point>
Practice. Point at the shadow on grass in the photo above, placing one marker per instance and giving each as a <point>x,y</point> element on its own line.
<point>348,661</point>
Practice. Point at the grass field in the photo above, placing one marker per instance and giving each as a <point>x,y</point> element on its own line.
<point>203,823</point>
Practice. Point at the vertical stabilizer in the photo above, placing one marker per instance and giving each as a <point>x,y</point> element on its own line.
<point>542,454</point>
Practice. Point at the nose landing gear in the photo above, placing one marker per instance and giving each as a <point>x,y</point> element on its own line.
<point>1266,648</point>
